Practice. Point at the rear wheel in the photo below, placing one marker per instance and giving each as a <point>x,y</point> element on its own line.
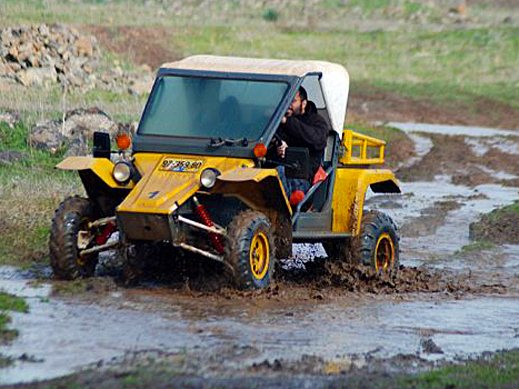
<point>69,235</point>
<point>250,250</point>
<point>377,244</point>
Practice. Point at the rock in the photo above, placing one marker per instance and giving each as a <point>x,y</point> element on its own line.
<point>84,47</point>
<point>10,118</point>
<point>24,51</point>
<point>47,136</point>
<point>41,54</point>
<point>4,68</point>
<point>77,143</point>
<point>429,347</point>
<point>73,133</point>
<point>37,76</point>
<point>13,53</point>
<point>88,120</point>
<point>459,10</point>
<point>8,157</point>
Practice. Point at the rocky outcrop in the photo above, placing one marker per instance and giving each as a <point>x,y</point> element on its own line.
<point>41,55</point>
<point>72,133</point>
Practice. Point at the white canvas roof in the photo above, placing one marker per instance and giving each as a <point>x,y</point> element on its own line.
<point>334,81</point>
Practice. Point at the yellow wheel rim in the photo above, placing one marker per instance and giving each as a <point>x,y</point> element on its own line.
<point>259,255</point>
<point>384,253</point>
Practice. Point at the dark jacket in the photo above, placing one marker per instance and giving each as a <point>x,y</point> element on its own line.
<point>309,130</point>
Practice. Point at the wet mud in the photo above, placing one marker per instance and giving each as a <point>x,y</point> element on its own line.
<point>323,316</point>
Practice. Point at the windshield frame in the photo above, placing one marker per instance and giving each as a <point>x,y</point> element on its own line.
<point>200,145</point>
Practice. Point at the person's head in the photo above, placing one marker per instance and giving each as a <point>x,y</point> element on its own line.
<point>298,105</point>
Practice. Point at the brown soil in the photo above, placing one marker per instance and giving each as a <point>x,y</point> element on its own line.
<point>375,104</point>
<point>451,155</point>
<point>323,280</point>
<point>140,45</point>
<point>430,219</point>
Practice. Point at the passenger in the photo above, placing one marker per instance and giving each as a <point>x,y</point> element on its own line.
<point>302,126</point>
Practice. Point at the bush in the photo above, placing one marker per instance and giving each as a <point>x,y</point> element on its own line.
<point>270,15</point>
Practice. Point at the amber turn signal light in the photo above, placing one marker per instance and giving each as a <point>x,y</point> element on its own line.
<point>123,140</point>
<point>260,150</point>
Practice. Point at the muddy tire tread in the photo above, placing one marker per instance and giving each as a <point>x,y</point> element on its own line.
<point>63,239</point>
<point>373,223</point>
<point>240,232</point>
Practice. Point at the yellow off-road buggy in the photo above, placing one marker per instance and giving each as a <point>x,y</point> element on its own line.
<point>198,178</point>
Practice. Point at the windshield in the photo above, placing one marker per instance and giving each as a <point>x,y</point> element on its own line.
<point>210,107</point>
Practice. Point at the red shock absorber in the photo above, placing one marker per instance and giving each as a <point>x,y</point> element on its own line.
<point>202,213</point>
<point>102,238</point>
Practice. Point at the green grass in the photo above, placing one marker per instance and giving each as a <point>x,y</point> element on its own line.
<point>445,66</point>
<point>445,63</point>
<point>497,214</point>
<point>500,371</point>
<point>477,246</point>
<point>9,303</point>
<point>30,190</point>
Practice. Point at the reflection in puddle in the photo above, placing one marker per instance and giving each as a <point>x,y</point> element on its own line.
<point>66,336</point>
<point>453,234</point>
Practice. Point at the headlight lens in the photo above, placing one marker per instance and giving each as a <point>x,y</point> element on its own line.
<point>208,177</point>
<point>122,172</point>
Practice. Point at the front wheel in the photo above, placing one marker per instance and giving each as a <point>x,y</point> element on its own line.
<point>69,235</point>
<point>250,250</point>
<point>377,244</point>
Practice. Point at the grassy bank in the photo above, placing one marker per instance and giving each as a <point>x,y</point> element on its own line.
<point>414,49</point>
<point>9,303</point>
<point>499,371</point>
<point>30,189</point>
<point>499,226</point>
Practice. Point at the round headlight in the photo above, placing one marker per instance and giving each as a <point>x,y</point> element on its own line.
<point>122,172</point>
<point>208,177</point>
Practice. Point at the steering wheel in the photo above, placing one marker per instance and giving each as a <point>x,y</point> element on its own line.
<point>276,141</point>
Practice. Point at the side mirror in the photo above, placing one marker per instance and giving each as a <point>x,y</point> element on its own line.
<point>297,162</point>
<point>101,145</point>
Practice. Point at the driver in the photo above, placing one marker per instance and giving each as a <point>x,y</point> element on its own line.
<point>302,126</point>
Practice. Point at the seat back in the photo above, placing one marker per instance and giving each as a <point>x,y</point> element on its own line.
<point>330,153</point>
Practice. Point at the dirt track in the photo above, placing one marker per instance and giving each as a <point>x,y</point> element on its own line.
<point>446,302</point>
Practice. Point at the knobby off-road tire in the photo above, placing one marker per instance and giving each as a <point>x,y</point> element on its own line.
<point>72,216</point>
<point>250,250</point>
<point>283,237</point>
<point>377,245</point>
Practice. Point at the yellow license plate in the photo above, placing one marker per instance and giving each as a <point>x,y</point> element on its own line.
<point>181,165</point>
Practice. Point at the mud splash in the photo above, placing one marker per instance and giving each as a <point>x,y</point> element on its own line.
<point>229,334</point>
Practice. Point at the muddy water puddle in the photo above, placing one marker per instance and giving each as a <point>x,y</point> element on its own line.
<point>63,335</point>
<point>453,129</point>
<point>449,231</point>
